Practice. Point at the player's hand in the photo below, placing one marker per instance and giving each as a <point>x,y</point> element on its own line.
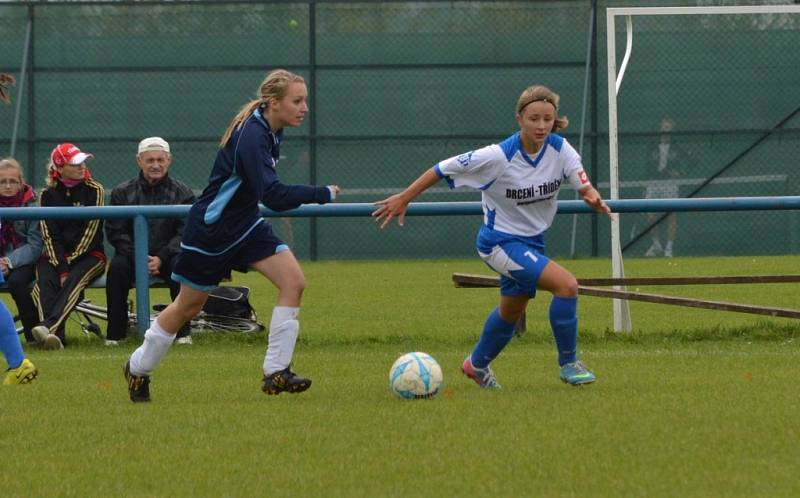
<point>394,206</point>
<point>597,203</point>
<point>335,190</point>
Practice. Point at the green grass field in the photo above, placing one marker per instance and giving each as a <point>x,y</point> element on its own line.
<point>693,403</point>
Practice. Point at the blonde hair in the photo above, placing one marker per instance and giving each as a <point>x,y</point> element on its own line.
<point>11,163</point>
<point>273,87</point>
<point>50,180</point>
<point>540,93</point>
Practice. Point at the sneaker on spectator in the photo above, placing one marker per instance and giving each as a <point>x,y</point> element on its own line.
<point>112,342</point>
<point>484,377</point>
<point>187,339</point>
<point>45,338</point>
<point>40,333</point>
<point>53,342</point>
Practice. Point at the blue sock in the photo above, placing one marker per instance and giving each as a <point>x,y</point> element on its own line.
<point>496,334</point>
<point>564,321</point>
<point>9,341</point>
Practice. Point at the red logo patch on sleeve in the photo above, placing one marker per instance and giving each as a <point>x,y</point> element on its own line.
<point>582,175</point>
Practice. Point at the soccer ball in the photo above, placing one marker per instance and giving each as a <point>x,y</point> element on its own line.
<point>415,376</point>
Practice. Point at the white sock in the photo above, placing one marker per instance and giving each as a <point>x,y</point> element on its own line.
<point>147,356</point>
<point>283,331</point>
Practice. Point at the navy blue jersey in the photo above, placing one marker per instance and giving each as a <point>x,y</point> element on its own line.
<point>243,175</point>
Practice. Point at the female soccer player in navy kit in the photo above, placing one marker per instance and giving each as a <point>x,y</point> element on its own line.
<point>225,231</point>
<point>519,179</point>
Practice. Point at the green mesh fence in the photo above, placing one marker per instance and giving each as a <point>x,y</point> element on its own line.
<point>397,86</point>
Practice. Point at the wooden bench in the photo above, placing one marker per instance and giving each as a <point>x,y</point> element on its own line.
<point>593,287</point>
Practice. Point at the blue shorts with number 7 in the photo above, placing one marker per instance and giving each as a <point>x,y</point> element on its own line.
<point>519,260</point>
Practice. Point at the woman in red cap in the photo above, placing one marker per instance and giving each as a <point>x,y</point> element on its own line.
<point>73,249</point>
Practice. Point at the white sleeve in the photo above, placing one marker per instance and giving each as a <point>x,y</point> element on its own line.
<point>476,169</point>
<point>573,168</point>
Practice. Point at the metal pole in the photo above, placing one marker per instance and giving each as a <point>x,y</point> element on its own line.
<point>312,141</point>
<point>595,162</point>
<point>622,319</point>
<point>22,71</point>
<point>140,246</point>
<point>583,115</point>
<point>31,135</point>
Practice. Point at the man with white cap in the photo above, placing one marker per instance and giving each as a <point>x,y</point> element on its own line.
<point>152,186</point>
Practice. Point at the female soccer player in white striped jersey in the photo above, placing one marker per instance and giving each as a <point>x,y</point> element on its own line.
<point>519,180</point>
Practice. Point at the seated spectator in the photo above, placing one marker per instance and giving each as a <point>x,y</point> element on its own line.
<point>151,186</point>
<point>20,244</point>
<point>73,249</point>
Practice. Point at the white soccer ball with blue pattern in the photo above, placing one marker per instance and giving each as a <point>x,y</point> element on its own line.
<point>416,376</point>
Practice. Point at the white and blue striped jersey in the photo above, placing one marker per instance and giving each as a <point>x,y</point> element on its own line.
<point>519,193</point>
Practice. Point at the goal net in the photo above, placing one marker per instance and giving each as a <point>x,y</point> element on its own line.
<point>702,102</point>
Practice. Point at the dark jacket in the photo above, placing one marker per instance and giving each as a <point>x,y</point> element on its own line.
<point>165,234</point>
<point>66,240</point>
<point>243,175</point>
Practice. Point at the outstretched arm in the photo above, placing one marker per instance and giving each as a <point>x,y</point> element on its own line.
<point>592,197</point>
<point>397,204</point>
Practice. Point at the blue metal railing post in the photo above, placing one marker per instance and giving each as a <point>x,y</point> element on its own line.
<point>140,243</point>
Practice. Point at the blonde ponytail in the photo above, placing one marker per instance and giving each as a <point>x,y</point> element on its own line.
<point>273,87</point>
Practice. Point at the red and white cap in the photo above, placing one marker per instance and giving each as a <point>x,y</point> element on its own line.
<point>68,154</point>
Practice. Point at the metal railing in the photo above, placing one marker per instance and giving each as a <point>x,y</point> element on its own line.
<point>140,214</point>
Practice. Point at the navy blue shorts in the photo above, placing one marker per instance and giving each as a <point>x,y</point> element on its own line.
<point>205,271</point>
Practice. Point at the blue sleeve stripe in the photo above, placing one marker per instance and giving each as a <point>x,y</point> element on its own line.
<point>487,185</point>
<point>223,197</point>
<point>228,189</point>
<point>439,173</point>
<point>556,141</point>
<point>510,146</point>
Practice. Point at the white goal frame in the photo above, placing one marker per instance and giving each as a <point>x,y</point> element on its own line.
<point>622,316</point>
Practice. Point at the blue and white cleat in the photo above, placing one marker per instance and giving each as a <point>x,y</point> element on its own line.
<point>576,374</point>
<point>484,377</point>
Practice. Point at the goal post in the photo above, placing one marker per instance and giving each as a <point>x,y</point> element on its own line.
<point>621,311</point>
